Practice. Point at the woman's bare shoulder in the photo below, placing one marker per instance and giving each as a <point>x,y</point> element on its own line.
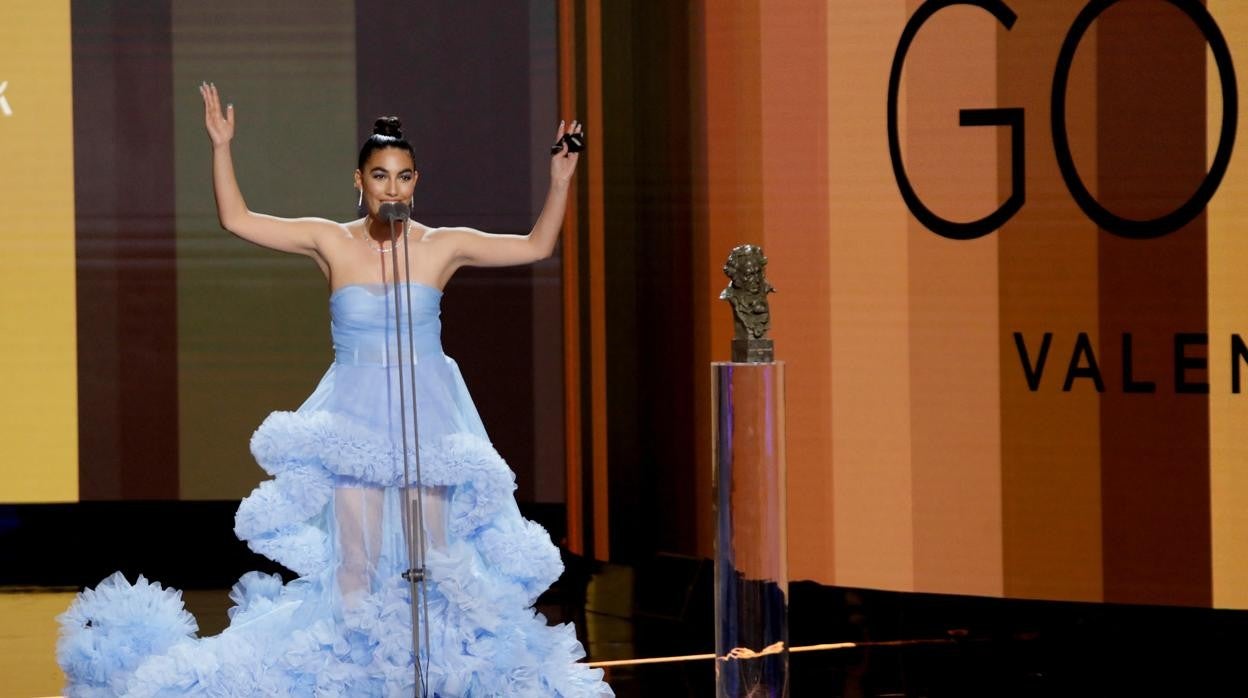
<point>340,231</point>
<point>428,232</point>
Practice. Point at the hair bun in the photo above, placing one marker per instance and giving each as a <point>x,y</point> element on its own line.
<point>388,126</point>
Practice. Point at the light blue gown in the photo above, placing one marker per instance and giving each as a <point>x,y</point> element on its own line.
<point>332,514</point>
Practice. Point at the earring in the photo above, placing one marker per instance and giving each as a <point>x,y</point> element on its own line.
<point>360,203</point>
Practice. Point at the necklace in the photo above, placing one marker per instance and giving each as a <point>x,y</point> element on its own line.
<point>377,246</point>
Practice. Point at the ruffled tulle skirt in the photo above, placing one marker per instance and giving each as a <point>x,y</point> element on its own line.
<point>332,513</point>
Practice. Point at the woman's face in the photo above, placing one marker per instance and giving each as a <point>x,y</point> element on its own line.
<point>389,175</point>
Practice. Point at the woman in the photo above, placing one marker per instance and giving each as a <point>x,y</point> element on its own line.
<point>334,510</point>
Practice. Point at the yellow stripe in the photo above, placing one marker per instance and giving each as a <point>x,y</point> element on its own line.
<point>38,354</point>
<point>1228,313</point>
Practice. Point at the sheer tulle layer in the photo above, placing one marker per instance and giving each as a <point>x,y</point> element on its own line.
<point>332,512</point>
<point>279,519</point>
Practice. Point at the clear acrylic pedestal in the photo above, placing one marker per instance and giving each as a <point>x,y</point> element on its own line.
<point>751,551</point>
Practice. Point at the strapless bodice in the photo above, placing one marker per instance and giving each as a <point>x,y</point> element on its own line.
<point>362,322</point>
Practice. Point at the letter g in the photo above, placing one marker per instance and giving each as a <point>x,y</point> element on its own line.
<point>1011,117</point>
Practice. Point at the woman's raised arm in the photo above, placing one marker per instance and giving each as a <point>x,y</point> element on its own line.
<point>299,235</point>
<point>477,249</point>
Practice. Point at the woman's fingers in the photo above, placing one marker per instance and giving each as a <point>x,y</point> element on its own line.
<point>203,90</point>
<point>212,102</point>
<point>564,129</point>
<point>209,102</point>
<point>218,122</point>
<point>560,145</point>
<point>216,100</point>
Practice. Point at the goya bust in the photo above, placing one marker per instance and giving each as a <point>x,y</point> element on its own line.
<point>747,293</point>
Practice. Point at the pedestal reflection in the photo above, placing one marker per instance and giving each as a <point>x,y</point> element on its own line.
<point>751,569</point>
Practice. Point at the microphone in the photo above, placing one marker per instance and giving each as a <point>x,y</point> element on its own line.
<point>575,142</point>
<point>394,212</point>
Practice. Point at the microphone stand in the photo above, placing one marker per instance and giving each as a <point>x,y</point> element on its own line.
<point>413,507</point>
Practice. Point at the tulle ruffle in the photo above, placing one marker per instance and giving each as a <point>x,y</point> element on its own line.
<point>305,450</point>
<point>137,640</point>
<point>110,630</point>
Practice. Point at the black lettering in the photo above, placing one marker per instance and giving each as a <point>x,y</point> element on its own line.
<point>1033,373</point>
<point>1239,352</point>
<point>1083,348</point>
<point>1191,208</point>
<point>1011,117</point>
<point>1184,363</point>
<point>1129,384</point>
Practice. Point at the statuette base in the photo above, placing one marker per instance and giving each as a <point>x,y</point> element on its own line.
<point>753,351</point>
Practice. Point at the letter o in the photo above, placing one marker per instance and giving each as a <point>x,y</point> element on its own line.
<point>1103,217</point>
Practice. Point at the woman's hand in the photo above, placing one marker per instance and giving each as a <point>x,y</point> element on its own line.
<point>563,163</point>
<point>477,249</point>
<point>220,127</point>
<point>298,235</point>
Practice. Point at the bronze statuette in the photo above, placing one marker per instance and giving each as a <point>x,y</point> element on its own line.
<point>747,292</point>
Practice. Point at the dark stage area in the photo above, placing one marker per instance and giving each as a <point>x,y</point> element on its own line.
<point>911,645</point>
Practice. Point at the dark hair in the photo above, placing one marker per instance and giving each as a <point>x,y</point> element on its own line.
<point>387,133</point>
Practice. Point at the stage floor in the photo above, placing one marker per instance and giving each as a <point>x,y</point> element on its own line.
<point>28,642</point>
<point>28,627</point>
<point>910,645</point>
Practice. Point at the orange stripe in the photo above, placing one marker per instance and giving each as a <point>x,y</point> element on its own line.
<point>571,299</point>
<point>794,166</point>
<point>1228,314</point>
<point>954,374</point>
<point>871,499</point>
<point>734,200</point>
<point>728,211</point>
<point>1048,275</point>
<point>597,285</point>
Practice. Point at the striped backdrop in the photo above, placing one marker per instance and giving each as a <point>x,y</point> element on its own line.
<point>921,458</point>
<point>140,345</point>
